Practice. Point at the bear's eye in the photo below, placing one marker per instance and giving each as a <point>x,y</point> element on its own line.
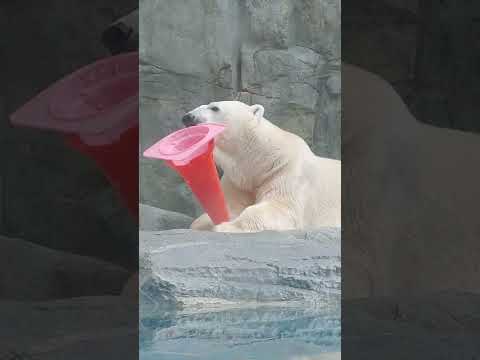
<point>214,108</point>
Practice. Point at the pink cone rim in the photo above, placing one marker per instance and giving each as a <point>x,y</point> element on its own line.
<point>183,145</point>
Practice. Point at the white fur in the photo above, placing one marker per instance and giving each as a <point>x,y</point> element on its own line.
<point>272,180</point>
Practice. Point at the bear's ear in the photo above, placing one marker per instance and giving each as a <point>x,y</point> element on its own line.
<point>258,111</point>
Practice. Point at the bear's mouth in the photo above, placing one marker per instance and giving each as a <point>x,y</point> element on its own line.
<point>190,125</point>
<point>189,120</point>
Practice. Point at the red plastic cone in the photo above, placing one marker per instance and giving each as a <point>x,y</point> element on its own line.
<point>190,153</point>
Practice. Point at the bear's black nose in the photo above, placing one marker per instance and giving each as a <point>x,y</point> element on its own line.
<point>189,120</point>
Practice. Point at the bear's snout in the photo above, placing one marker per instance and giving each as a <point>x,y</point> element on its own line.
<point>189,120</point>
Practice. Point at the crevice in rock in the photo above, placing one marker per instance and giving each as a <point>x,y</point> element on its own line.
<point>164,70</point>
<point>258,94</point>
<point>238,80</point>
<point>240,38</point>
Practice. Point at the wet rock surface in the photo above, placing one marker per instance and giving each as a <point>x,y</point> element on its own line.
<point>154,219</point>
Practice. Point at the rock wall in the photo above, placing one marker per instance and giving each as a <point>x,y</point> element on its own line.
<point>283,54</point>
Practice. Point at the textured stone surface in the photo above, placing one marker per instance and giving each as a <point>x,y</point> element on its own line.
<point>53,274</point>
<point>283,54</point>
<point>268,295</point>
<point>270,21</point>
<point>263,267</point>
<point>154,219</point>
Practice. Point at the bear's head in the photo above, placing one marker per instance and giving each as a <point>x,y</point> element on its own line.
<point>234,114</point>
<point>240,119</point>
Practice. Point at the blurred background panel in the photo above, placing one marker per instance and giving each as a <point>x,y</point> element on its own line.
<point>50,194</point>
<point>428,50</point>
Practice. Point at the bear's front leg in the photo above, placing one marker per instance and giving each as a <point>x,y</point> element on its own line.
<point>267,215</point>
<point>227,227</point>
<point>203,223</point>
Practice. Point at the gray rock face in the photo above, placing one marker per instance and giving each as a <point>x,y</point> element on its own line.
<point>282,289</point>
<point>262,267</point>
<point>155,219</point>
<point>283,54</point>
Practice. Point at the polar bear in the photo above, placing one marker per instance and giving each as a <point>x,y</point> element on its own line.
<point>271,178</point>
